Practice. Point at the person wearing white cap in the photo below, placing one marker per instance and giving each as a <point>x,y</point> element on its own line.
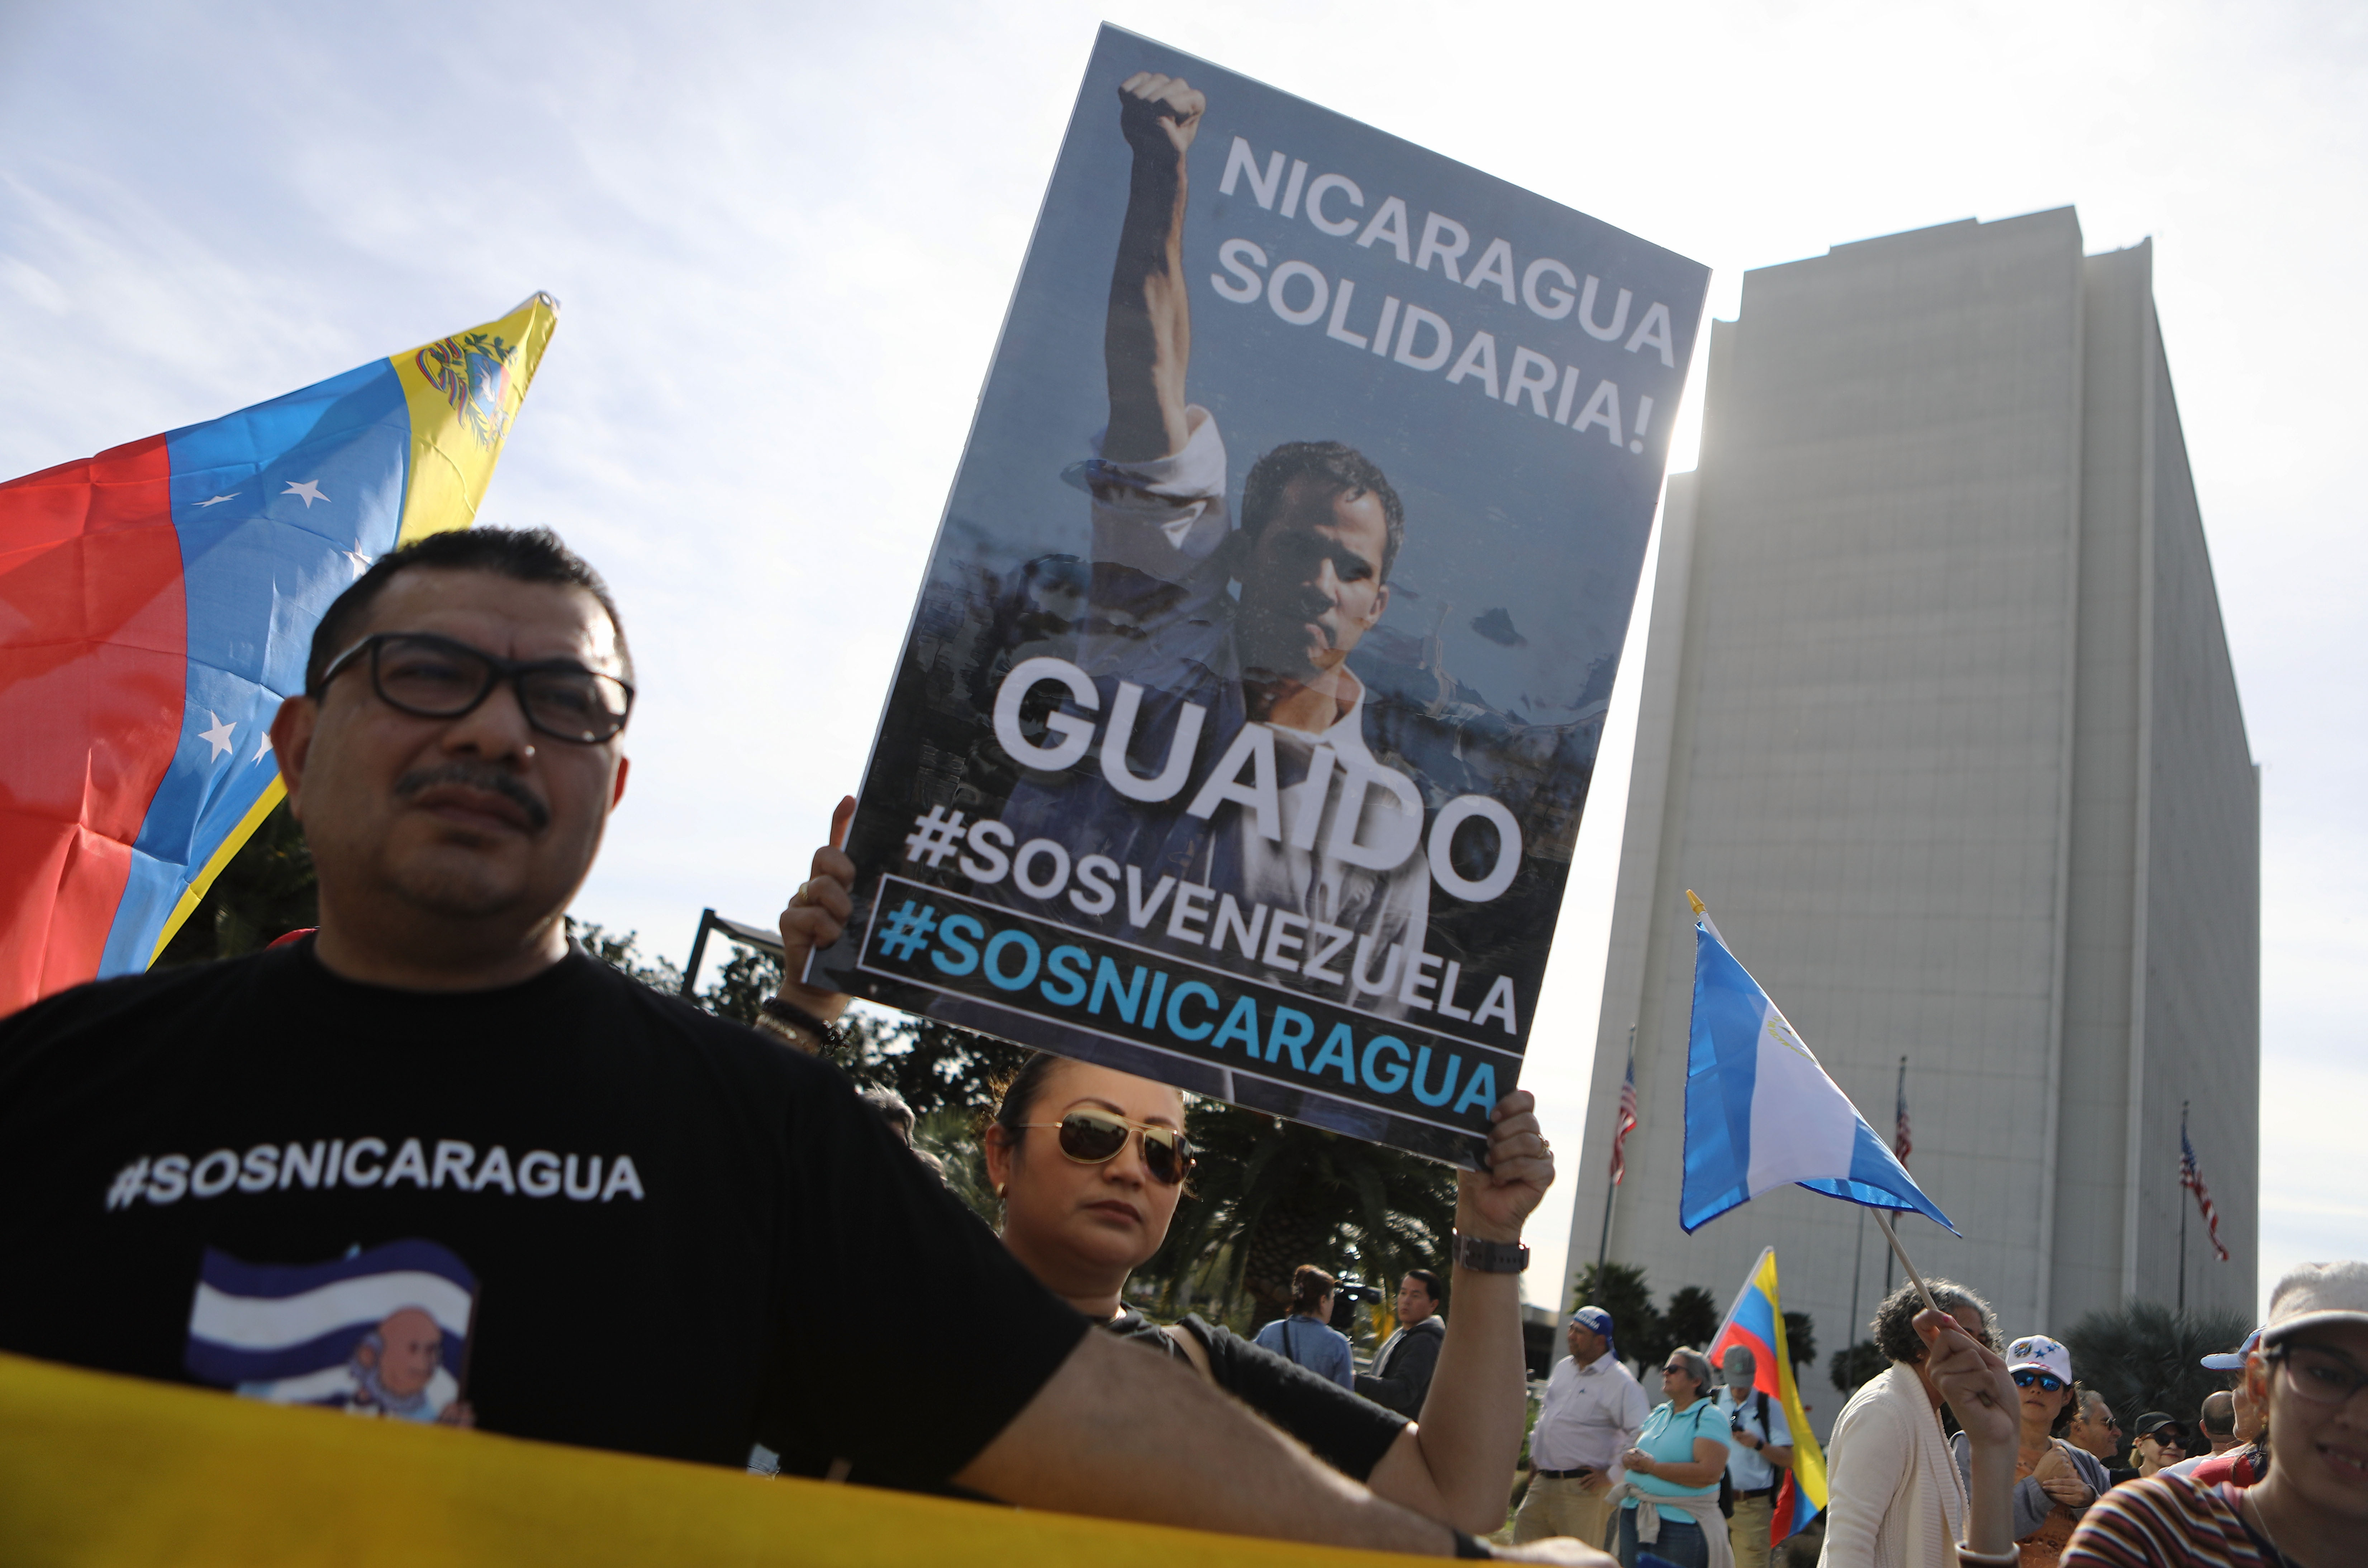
<point>2310,1373</point>
<point>2055,1482</point>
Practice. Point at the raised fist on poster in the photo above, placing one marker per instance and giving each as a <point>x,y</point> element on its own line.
<point>1159,113</point>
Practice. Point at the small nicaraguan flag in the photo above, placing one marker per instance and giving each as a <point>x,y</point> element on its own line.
<point>381,1333</point>
<point>1760,1112</point>
<point>1756,1322</point>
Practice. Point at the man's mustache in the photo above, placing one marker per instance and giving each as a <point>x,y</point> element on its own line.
<point>477,776</point>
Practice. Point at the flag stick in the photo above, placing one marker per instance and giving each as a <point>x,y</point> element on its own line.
<point>1882,1218</point>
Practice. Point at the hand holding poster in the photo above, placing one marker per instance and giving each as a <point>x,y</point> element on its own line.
<point>1265,785</point>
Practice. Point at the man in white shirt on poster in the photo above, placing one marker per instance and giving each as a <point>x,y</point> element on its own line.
<point>1591,1415</point>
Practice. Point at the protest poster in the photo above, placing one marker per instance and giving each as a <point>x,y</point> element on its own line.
<point>1247,715</point>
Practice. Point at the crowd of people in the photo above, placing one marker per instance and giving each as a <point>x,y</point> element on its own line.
<point>406,1070</point>
<point>2282,1480</point>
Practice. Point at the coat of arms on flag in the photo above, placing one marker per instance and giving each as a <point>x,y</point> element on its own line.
<point>380,1333</point>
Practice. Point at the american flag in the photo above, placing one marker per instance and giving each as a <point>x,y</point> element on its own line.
<point>1901,1144</point>
<point>1627,1120</point>
<point>2191,1178</point>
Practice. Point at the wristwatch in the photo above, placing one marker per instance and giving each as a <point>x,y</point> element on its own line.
<point>1490,1257</point>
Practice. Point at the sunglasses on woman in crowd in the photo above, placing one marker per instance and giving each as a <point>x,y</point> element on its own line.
<point>2048,1382</point>
<point>1095,1138</point>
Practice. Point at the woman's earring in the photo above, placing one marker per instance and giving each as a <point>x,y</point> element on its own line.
<point>1001,1188</point>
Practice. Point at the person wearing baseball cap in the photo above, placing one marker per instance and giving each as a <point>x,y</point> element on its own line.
<point>2158,1441</point>
<point>2309,1373</point>
<point>1593,1409</point>
<point>2055,1482</point>
<point>2245,1462</point>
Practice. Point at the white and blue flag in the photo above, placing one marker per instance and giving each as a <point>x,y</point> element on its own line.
<point>378,1332</point>
<point>1760,1112</point>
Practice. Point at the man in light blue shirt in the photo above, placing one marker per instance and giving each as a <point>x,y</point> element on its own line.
<point>1307,1335</point>
<point>1760,1441</point>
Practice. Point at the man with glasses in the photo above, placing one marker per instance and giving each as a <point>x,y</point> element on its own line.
<point>2310,1374</point>
<point>194,1158</point>
<point>2094,1428</point>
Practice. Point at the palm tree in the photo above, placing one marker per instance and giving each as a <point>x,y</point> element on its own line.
<point>2143,1356</point>
<point>1269,1194</point>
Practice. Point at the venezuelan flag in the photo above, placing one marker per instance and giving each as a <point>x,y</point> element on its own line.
<point>157,601</point>
<point>1756,1322</point>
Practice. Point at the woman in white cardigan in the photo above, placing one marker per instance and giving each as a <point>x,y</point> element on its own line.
<point>1895,1499</point>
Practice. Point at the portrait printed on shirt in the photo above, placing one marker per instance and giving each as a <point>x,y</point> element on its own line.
<point>383,1333</point>
<point>1247,715</point>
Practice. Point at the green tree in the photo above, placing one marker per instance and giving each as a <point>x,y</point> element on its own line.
<point>1269,1194</point>
<point>265,891</point>
<point>1620,1289</point>
<point>1691,1318</point>
<point>1850,1368</point>
<point>1800,1341</point>
<point>623,951</point>
<point>2143,1356</point>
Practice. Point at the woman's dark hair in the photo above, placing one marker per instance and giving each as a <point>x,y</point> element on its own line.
<point>1309,1285</point>
<point>1895,1320</point>
<point>2072,1407</point>
<point>1020,1092</point>
<point>1697,1367</point>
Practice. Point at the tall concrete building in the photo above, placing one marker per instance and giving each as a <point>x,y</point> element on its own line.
<point>1938,717</point>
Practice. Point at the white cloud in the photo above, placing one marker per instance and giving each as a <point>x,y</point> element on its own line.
<point>784,237</point>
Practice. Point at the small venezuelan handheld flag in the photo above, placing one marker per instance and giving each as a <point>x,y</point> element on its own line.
<point>1756,1322</point>
<point>156,603</point>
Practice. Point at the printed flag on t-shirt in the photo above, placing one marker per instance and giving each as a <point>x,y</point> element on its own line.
<point>379,1333</point>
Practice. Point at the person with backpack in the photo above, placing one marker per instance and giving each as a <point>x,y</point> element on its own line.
<point>1307,1335</point>
<point>1762,1444</point>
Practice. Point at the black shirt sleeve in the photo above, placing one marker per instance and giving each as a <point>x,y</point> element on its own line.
<point>910,1335</point>
<point>1409,1377</point>
<point>1348,1432</point>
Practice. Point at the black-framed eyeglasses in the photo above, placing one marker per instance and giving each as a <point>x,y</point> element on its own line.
<point>1095,1138</point>
<point>430,677</point>
<point>2048,1382</point>
<point>2322,1377</point>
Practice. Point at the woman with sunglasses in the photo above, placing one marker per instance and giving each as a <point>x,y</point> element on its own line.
<point>2055,1482</point>
<point>1669,1502</point>
<point>2310,1373</point>
<point>1089,1164</point>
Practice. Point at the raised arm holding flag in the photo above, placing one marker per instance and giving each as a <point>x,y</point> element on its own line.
<point>1761,1113</point>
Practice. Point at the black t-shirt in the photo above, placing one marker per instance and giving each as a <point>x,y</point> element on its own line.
<point>1346,1431</point>
<point>575,1209</point>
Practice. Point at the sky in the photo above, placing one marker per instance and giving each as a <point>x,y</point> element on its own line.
<point>784,235</point>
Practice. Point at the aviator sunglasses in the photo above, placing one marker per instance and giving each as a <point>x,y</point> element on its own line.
<point>1095,1138</point>
<point>2048,1382</point>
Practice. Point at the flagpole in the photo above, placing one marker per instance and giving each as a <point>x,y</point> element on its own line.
<point>1882,1218</point>
<point>1858,1268</point>
<point>2182,1214</point>
<point>1897,1094</point>
<point>1603,1242</point>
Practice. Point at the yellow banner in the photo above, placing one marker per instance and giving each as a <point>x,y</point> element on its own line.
<point>99,1470</point>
